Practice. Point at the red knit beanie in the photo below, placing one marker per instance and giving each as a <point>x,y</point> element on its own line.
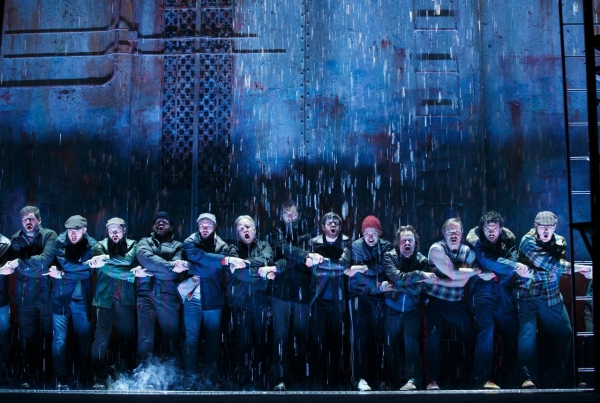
<point>371,221</point>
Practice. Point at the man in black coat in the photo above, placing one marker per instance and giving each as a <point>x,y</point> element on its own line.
<point>71,297</point>
<point>31,254</point>
<point>157,296</point>
<point>290,297</point>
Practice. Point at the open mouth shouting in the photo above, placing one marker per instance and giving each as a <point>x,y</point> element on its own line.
<point>331,229</point>
<point>246,230</point>
<point>162,226</point>
<point>453,235</point>
<point>545,232</point>
<point>30,223</point>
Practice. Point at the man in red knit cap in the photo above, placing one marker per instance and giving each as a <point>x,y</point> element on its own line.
<point>366,303</point>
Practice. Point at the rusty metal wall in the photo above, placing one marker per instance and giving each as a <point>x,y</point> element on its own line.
<point>413,110</point>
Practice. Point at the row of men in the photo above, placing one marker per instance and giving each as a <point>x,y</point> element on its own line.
<point>290,300</point>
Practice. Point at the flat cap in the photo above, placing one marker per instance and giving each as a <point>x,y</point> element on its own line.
<point>208,216</point>
<point>116,221</point>
<point>546,218</point>
<point>76,222</point>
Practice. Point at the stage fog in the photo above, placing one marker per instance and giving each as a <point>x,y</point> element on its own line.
<point>413,111</point>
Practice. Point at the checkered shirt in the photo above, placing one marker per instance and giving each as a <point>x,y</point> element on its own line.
<point>464,257</point>
<point>547,260</point>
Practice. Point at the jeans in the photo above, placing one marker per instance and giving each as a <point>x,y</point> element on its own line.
<point>195,319</point>
<point>35,339</point>
<point>328,343</point>
<point>366,338</point>
<point>407,324</point>
<point>556,322</point>
<point>165,310</point>
<point>123,318</point>
<point>250,326</point>
<point>489,320</point>
<point>83,333</point>
<point>290,327</point>
<point>4,339</point>
<point>456,314</point>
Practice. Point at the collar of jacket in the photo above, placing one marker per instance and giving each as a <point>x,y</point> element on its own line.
<point>412,257</point>
<point>168,239</point>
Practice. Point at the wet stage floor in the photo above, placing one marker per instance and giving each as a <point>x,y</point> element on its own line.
<point>442,396</point>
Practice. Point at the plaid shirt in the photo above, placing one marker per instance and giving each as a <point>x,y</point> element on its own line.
<point>547,260</point>
<point>464,257</point>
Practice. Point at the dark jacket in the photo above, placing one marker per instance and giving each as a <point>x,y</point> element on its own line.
<point>330,273</point>
<point>245,283</point>
<point>156,255</point>
<point>115,272</point>
<point>366,285</point>
<point>205,259</point>
<point>71,259</point>
<point>500,258</point>
<point>4,247</point>
<point>35,258</point>
<point>405,274</point>
<point>292,281</point>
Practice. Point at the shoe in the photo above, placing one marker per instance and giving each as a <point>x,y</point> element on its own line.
<point>25,385</point>
<point>99,386</point>
<point>433,386</point>
<point>280,387</point>
<point>490,385</point>
<point>528,384</point>
<point>363,386</point>
<point>410,385</point>
<point>61,386</point>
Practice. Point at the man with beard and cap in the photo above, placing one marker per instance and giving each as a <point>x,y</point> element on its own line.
<point>250,306</point>
<point>366,304</point>
<point>5,271</point>
<point>330,259</point>
<point>537,294</point>
<point>71,297</point>
<point>209,257</point>
<point>290,297</point>
<point>31,254</point>
<point>114,300</point>
<point>490,294</point>
<point>157,296</point>
<point>449,259</point>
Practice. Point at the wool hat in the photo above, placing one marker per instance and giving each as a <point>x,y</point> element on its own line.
<point>116,221</point>
<point>208,216</point>
<point>163,215</point>
<point>371,221</point>
<point>76,222</point>
<point>546,218</point>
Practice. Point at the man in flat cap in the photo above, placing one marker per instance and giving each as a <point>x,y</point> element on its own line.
<point>31,254</point>
<point>114,300</point>
<point>209,257</point>
<point>71,297</point>
<point>157,296</point>
<point>537,294</point>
